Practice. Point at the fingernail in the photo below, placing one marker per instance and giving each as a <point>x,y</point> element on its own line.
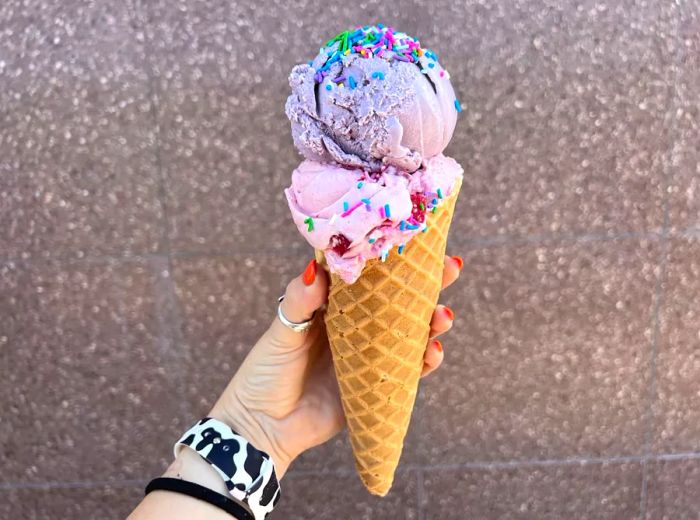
<point>450,313</point>
<point>438,345</point>
<point>459,260</point>
<point>309,273</point>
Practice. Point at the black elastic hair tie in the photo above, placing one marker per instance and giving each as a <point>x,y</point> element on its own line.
<point>200,493</point>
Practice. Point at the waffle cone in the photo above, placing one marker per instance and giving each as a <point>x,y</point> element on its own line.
<point>378,328</point>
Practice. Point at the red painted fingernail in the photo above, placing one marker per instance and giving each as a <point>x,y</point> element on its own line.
<point>309,273</point>
<point>459,260</point>
<point>450,313</point>
<point>438,345</point>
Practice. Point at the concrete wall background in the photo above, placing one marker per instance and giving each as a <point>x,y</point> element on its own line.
<point>143,153</point>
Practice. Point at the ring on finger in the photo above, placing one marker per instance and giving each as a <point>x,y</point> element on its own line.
<point>302,326</point>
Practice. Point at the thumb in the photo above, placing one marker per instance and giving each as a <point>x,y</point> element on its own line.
<point>305,294</point>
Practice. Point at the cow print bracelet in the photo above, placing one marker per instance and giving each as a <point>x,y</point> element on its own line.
<point>249,474</point>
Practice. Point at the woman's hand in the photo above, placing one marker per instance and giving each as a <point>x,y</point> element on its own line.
<point>284,398</point>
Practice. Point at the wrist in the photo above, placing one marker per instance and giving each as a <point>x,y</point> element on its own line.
<point>191,467</point>
<point>256,428</point>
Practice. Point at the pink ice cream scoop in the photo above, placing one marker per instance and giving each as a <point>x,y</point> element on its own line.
<point>372,97</point>
<point>354,215</point>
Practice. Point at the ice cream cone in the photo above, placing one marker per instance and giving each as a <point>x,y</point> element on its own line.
<point>378,328</point>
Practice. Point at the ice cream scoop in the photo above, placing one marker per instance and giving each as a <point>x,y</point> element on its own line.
<point>353,215</point>
<point>372,97</point>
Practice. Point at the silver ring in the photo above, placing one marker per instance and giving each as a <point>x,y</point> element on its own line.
<point>296,327</point>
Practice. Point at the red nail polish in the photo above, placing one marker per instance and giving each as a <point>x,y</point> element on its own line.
<point>438,345</point>
<point>450,313</point>
<point>459,260</point>
<point>309,273</point>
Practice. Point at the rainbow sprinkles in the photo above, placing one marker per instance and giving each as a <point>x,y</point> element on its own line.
<point>373,41</point>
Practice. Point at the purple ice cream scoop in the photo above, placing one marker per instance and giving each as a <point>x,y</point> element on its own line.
<point>371,98</point>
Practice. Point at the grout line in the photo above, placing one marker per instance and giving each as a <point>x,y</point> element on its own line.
<point>652,391</point>
<point>418,418</point>
<point>670,457</point>
<point>168,319</point>
<point>173,316</point>
<point>168,315</point>
<point>691,232</point>
<point>78,484</point>
<point>654,346</point>
<point>244,252</point>
<point>87,259</point>
<point>420,493</point>
<point>339,472</point>
<point>164,246</point>
<point>663,266</point>
<point>556,238</point>
<point>402,470</point>
<point>515,464</point>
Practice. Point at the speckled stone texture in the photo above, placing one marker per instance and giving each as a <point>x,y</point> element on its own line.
<point>677,404</point>
<point>343,496</point>
<point>561,340</point>
<point>105,503</point>
<point>77,136</point>
<point>673,486</point>
<point>591,492</point>
<point>684,185</point>
<point>87,374</point>
<point>144,239</point>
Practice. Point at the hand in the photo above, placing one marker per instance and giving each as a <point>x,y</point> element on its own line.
<point>284,398</point>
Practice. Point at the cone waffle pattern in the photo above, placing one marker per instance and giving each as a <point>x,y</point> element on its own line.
<point>378,328</point>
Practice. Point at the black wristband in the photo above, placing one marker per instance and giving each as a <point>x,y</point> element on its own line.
<point>200,493</point>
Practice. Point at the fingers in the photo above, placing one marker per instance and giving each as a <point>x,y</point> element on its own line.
<point>453,265</point>
<point>442,320</point>
<point>433,357</point>
<point>305,294</point>
<point>443,317</point>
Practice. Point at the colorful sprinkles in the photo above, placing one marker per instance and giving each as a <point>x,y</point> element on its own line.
<point>370,41</point>
<point>430,202</point>
<point>351,209</point>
